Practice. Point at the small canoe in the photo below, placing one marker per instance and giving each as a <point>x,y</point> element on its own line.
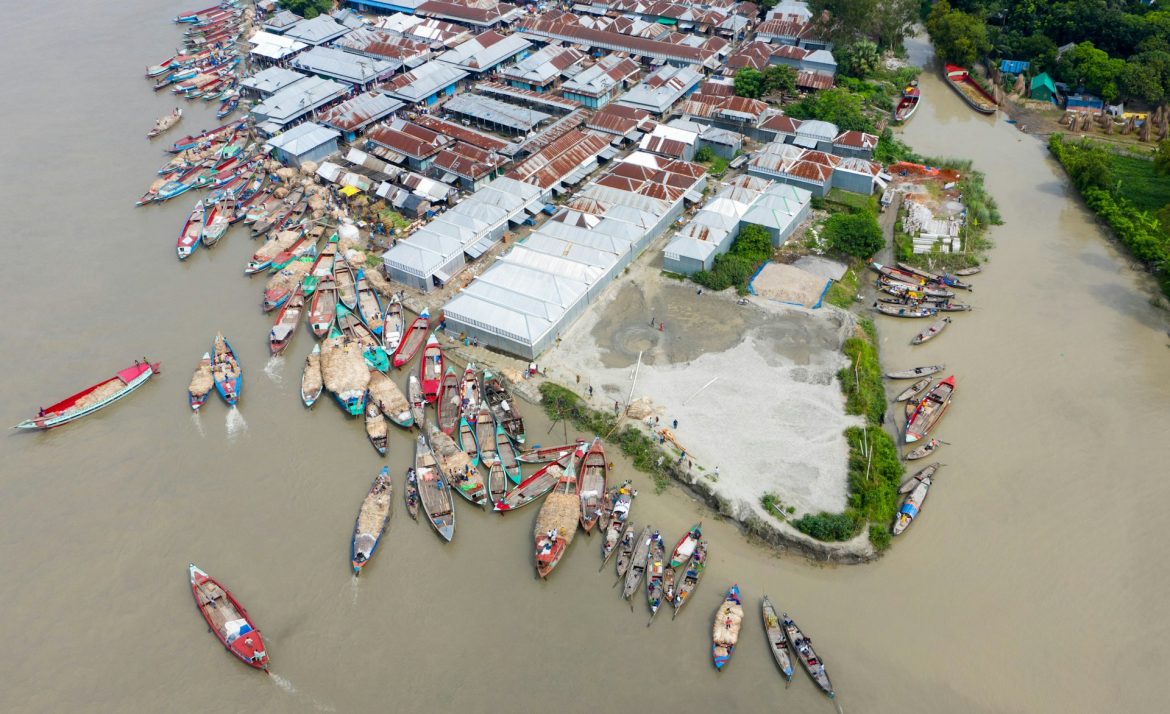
<point>430,369</point>
<point>485,437</point>
<point>905,310</point>
<point>964,272</point>
<point>323,308</point>
<point>228,619</point>
<point>90,400</point>
<point>908,103</point>
<point>377,430</point>
<point>556,523</point>
<point>911,506</point>
<point>951,281</point>
<point>434,492</point>
<point>544,454</point>
<point>312,383</point>
<point>369,306</point>
<point>777,640</point>
<point>802,647</point>
<point>346,283</point>
<point>498,397</point>
<point>931,332</point>
<point>371,521</point>
<point>189,236</point>
<point>507,455</point>
<point>497,484</point>
<point>226,370</point>
<point>952,307</point>
<point>615,523</point>
<point>691,577</point>
<point>165,122</point>
<point>286,322</point>
<point>322,267</point>
<point>418,406</point>
<point>916,372</point>
<point>725,631</point>
<point>464,478</point>
<point>655,576</point>
<point>411,494</point>
<point>912,288</point>
<point>413,339</point>
<point>625,550</point>
<point>913,390</point>
<point>201,383</point>
<point>533,487</point>
<point>449,406</point>
<point>686,545</point>
<point>637,565</point>
<point>925,450</point>
<point>912,482</point>
<point>928,411</point>
<point>390,399</point>
<point>593,484</point>
<point>216,223</point>
<point>395,324</point>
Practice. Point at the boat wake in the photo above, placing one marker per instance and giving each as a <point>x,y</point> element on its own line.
<point>235,424</point>
<point>840,709</point>
<point>198,424</point>
<point>289,688</point>
<point>353,589</point>
<point>274,368</point>
<point>283,683</point>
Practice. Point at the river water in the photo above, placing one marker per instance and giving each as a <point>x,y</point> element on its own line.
<point>1034,581</point>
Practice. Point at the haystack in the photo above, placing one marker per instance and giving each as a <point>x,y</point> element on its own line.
<point>285,173</point>
<point>289,276</point>
<point>380,283</point>
<point>641,408</point>
<point>201,381</point>
<point>560,512</point>
<point>375,510</point>
<point>511,375</point>
<point>376,425</point>
<point>309,168</point>
<point>311,379</point>
<point>277,244</point>
<point>386,394</point>
<point>728,620</point>
<point>343,368</point>
<point>316,202</point>
<point>102,393</point>
<point>356,258</point>
<point>452,460</point>
<point>280,192</point>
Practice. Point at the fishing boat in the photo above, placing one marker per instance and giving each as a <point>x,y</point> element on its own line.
<point>497,484</point>
<point>913,390</point>
<point>905,310</point>
<point>686,545</point>
<point>90,400</point>
<point>322,266</point>
<point>228,619</point>
<point>533,487</point>
<point>964,272</point>
<point>449,406</point>
<point>802,647</point>
<point>912,482</point>
<point>286,322</point>
<point>411,494</point>
<point>262,209</point>
<point>556,523</point>
<point>201,383</point>
<point>430,369</point>
<point>928,412</point>
<point>189,236</point>
<point>162,67</point>
<point>617,515</point>
<point>625,550</point>
<point>323,307</point>
<point>485,437</point>
<point>390,399</point>
<point>165,123</point>
<point>227,106</point>
<point>306,245</point>
<point>971,91</point>
<point>433,490</point>
<point>908,103</point>
<point>395,324</point>
<point>413,339</point>
<point>225,369</point>
<point>923,451</point>
<point>725,631</point>
<point>637,564</point>
<point>691,577</point>
<point>593,484</point>
<point>469,393</point>
<point>495,391</point>
<point>346,283</point>
<point>376,428</point>
<point>931,332</point>
<point>911,505</point>
<point>372,518</point>
<point>544,454</point>
<point>354,329</point>
<point>655,576</point>
<point>369,306</point>
<point>312,383</point>
<point>947,279</point>
<point>507,455</point>
<point>777,640</point>
<point>418,405</point>
<point>916,372</point>
<point>909,287</point>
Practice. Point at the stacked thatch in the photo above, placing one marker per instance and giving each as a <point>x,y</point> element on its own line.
<point>289,276</point>
<point>311,378</point>
<point>201,381</point>
<point>389,398</point>
<point>560,512</point>
<point>343,368</point>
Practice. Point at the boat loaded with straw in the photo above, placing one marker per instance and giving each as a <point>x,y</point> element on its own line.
<point>371,521</point>
<point>90,400</point>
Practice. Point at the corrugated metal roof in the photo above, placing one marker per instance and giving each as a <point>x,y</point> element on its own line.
<point>495,111</point>
<point>659,91</point>
<point>545,65</point>
<point>363,109</point>
<point>423,81</point>
<point>559,159</point>
<point>485,51</point>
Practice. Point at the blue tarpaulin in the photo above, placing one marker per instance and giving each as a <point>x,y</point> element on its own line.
<point>1014,66</point>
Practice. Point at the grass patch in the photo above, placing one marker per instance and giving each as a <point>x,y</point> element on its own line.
<point>865,393</point>
<point>673,276</point>
<point>828,526</point>
<point>734,268</point>
<point>1138,182</point>
<point>851,202</point>
<point>843,292</point>
<point>373,260</point>
<point>393,221</point>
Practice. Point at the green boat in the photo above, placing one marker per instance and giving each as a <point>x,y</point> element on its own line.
<point>354,329</point>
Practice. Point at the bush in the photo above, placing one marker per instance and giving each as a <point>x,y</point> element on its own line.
<point>856,234</point>
<point>865,392</point>
<point>828,526</point>
<point>880,537</point>
<point>704,154</point>
<point>734,268</point>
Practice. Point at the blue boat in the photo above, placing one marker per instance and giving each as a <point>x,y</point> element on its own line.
<point>728,621</point>
<point>371,521</point>
<point>352,403</point>
<point>226,370</point>
<point>356,330</point>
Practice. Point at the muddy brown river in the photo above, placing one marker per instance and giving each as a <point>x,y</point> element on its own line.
<point>1035,580</point>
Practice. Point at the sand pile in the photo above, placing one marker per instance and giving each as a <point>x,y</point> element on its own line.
<point>560,512</point>
<point>343,368</point>
<point>386,394</point>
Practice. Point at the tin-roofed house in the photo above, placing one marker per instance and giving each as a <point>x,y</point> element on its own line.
<point>417,144</point>
<point>485,52</point>
<point>316,30</point>
<point>331,63</point>
<point>305,142</point>
<point>352,116</point>
<point>596,86</point>
<point>425,84</point>
<point>713,229</point>
<point>779,211</point>
<point>269,81</point>
<point>295,102</point>
<point>542,70</point>
<point>660,91</point>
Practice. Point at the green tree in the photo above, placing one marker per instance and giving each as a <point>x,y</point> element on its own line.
<point>780,79</point>
<point>856,234</point>
<point>1162,157</point>
<point>307,9</point>
<point>860,59</point>
<point>704,154</point>
<point>1100,73</point>
<point>958,37</point>
<point>836,105</point>
<point>749,83</point>
<point>846,20</point>
<point>895,19</point>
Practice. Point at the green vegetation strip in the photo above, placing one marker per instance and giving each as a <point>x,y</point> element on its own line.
<point>734,268</point>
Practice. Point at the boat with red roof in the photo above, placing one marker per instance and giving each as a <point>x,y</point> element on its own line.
<point>99,396</point>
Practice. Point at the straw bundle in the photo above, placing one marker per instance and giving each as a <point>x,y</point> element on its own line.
<point>102,393</point>
<point>201,381</point>
<point>285,173</point>
<point>374,511</point>
<point>342,366</point>
<point>725,631</point>
<point>289,277</point>
<point>376,425</point>
<point>281,242</point>
<point>641,408</point>
<point>356,258</point>
<point>452,461</point>
<point>511,375</point>
<point>280,192</point>
<point>379,282</point>
<point>386,394</point>
<point>316,203</point>
<point>309,168</point>
<point>560,512</point>
<point>311,379</point>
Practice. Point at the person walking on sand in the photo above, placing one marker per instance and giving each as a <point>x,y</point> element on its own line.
<point>652,321</point>
<point>616,407</point>
<point>590,391</point>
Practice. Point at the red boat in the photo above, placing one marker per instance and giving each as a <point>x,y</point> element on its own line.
<point>970,90</point>
<point>88,401</point>
<point>928,412</point>
<point>430,369</point>
<point>228,619</point>
<point>592,485</point>
<point>414,338</point>
<point>908,104</point>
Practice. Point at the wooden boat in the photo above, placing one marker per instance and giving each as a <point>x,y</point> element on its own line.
<point>655,576</point>
<point>916,372</point>
<point>225,369</point>
<point>372,518</point>
<point>165,123</point>
<point>369,306</point>
<point>228,619</point>
<point>261,210</point>
<point>924,450</point>
<point>905,310</point>
<point>418,406</point>
<point>908,103</point>
<point>464,478</point>
<point>306,245</point>
<point>495,391</point>
<point>912,505</point>
<point>507,455</point>
<point>952,307</point>
<point>951,281</point>
<point>390,399</point>
<point>593,484</point>
<point>322,266</point>
<point>469,393</point>
<point>96,397</point>
<point>413,339</point>
<point>376,428</point>
<point>556,523</point>
<point>686,545</point>
<point>227,106</point>
<point>544,454</point>
<point>777,640</point>
<point>289,209</point>
<point>485,437</point>
<point>323,308</point>
<point>618,513</point>
<point>430,369</point>
<point>449,406</point>
<point>912,482</point>
<point>354,329</point>
<point>637,565</point>
<point>312,383</point>
<point>696,566</point>
<point>913,390</point>
<point>497,484</point>
<point>928,412</point>
<point>964,272</point>
<point>625,549</point>
<point>394,327</point>
<point>433,490</point>
<point>931,332</point>
<point>201,383</point>
<point>725,632</point>
<point>533,487</point>
<point>283,286</point>
<point>346,283</point>
<point>286,322</point>
<point>912,288</point>
<point>189,236</point>
<point>971,91</point>
<point>411,494</point>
